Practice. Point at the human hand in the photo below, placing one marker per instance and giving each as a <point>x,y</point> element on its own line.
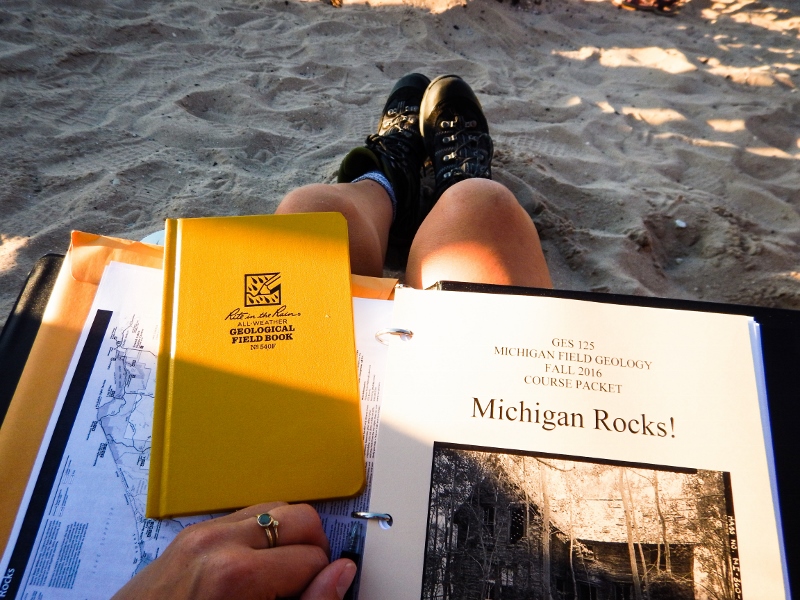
<point>228,557</point>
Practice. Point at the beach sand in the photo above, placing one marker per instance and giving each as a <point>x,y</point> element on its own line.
<point>657,156</point>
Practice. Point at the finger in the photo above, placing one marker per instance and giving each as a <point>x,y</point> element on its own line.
<point>332,582</point>
<point>297,524</point>
<point>286,571</point>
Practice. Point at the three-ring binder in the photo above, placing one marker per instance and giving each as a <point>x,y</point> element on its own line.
<point>384,518</point>
<point>403,334</point>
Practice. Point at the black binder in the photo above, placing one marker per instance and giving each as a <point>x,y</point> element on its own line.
<point>780,340</point>
<point>23,323</point>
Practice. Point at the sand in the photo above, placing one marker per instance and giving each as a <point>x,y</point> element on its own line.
<point>657,156</point>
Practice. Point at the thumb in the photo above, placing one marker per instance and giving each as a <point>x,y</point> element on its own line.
<point>332,582</point>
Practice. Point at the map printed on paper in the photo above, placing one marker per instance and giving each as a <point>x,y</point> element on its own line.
<point>92,536</point>
<point>81,532</point>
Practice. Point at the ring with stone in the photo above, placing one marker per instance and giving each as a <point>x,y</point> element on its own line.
<point>270,525</point>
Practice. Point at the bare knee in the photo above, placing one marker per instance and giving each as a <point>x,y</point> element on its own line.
<point>316,197</point>
<point>478,188</point>
<point>481,201</point>
<point>366,207</point>
<point>478,232</point>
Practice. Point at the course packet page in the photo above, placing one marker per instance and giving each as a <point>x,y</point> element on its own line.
<point>80,531</point>
<point>552,447</point>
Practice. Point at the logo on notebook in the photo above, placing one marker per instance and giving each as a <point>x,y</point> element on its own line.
<point>262,289</point>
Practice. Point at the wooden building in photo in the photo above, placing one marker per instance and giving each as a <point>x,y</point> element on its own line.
<point>525,528</point>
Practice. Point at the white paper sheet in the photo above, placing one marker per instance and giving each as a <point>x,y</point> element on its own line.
<point>93,536</point>
<point>566,383</point>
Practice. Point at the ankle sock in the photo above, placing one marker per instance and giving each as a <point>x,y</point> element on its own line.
<point>381,180</point>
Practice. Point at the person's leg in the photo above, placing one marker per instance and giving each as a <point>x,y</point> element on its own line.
<point>368,211</point>
<point>477,232</point>
<point>378,189</point>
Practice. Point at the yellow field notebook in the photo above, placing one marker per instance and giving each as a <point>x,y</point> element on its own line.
<point>256,390</point>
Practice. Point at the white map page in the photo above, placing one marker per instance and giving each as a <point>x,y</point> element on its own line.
<point>91,536</point>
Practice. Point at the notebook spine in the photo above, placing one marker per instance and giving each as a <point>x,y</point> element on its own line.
<point>159,449</point>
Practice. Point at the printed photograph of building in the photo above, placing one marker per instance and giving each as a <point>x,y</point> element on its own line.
<point>513,526</point>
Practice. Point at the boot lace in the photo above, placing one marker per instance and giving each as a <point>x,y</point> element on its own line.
<point>401,119</point>
<point>462,150</point>
<point>398,137</point>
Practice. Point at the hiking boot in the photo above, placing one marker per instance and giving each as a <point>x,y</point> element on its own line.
<point>397,150</point>
<point>456,133</point>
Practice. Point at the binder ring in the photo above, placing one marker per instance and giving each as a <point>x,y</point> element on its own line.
<point>385,519</point>
<point>403,334</point>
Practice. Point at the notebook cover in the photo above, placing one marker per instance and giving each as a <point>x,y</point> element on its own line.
<point>257,390</point>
